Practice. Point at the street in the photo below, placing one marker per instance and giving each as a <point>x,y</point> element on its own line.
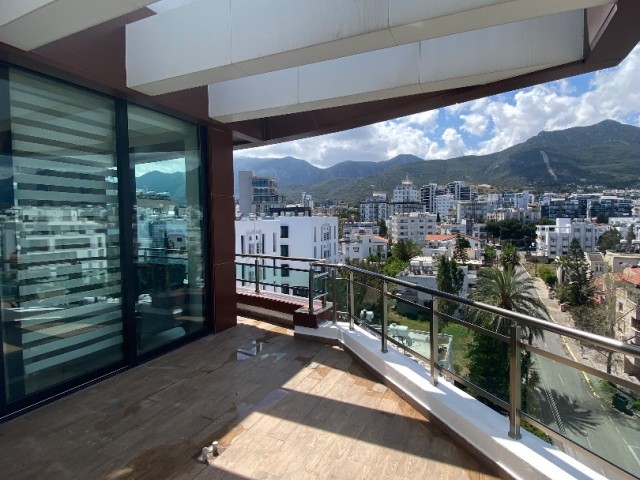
<point>569,404</point>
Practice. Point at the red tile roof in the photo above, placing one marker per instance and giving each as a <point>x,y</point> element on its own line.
<point>438,238</point>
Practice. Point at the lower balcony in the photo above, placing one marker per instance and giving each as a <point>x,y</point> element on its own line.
<point>279,407</point>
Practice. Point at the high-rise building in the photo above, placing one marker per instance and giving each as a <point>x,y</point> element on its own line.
<point>258,194</point>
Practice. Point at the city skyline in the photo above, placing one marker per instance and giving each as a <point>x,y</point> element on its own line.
<point>481,126</point>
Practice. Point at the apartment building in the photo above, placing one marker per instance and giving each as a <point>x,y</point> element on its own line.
<point>412,226</point>
<point>258,195</point>
<point>360,246</point>
<point>553,240</point>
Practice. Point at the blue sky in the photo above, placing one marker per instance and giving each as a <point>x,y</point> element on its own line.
<point>481,126</point>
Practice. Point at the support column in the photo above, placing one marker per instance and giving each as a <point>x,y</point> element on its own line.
<point>223,303</point>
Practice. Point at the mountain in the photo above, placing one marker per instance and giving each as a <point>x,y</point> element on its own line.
<point>174,183</point>
<point>292,172</point>
<point>606,154</point>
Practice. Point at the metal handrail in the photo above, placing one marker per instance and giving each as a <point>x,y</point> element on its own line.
<point>318,261</point>
<point>530,321</point>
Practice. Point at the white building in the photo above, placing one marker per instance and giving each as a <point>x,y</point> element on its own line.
<point>360,246</point>
<point>554,240</point>
<point>445,206</point>
<point>407,192</point>
<point>525,215</point>
<point>353,228</point>
<point>374,208</point>
<point>412,226</point>
<point>287,236</point>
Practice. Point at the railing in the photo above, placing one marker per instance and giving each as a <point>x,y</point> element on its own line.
<point>561,413</point>
<point>287,275</point>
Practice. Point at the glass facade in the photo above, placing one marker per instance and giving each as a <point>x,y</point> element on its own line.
<point>63,311</point>
<point>168,233</point>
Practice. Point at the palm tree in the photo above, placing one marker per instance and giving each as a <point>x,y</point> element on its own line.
<point>511,289</point>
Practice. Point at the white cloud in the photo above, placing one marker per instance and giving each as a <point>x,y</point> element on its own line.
<point>481,126</point>
<point>474,123</point>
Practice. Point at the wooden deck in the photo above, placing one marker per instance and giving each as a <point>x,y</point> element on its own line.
<point>292,410</point>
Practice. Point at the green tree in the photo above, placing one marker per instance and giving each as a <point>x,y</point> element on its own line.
<point>438,220</point>
<point>450,279</point>
<point>393,266</point>
<point>548,275</point>
<point>383,228</point>
<point>511,289</point>
<point>602,218</point>
<point>489,255</point>
<point>577,288</point>
<point>405,250</point>
<point>460,250</point>
<point>509,257</point>
<point>609,240</point>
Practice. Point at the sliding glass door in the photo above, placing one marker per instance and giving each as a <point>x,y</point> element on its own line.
<point>61,286</point>
<point>101,235</point>
<point>168,231</point>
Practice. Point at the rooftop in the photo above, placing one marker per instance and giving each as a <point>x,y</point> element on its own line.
<point>279,407</point>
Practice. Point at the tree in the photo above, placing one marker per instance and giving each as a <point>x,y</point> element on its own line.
<point>577,288</point>
<point>383,228</point>
<point>450,279</point>
<point>438,220</point>
<point>489,255</point>
<point>602,218</point>
<point>460,250</point>
<point>512,289</point>
<point>609,240</point>
<point>601,319</point>
<point>509,257</point>
<point>405,250</point>
<point>548,275</point>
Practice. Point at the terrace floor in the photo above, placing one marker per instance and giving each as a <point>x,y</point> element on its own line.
<point>280,408</point>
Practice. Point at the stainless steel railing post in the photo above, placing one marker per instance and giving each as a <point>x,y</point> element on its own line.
<point>433,332</point>
<point>351,303</point>
<point>384,317</point>
<point>515,380</point>
<point>334,274</point>
<point>311,273</point>
<point>257,267</point>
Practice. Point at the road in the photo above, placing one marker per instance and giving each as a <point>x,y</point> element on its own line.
<point>569,404</point>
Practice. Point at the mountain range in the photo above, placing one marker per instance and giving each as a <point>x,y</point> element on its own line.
<point>606,154</point>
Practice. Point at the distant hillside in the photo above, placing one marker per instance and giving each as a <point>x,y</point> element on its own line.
<point>607,154</point>
<point>174,183</point>
<point>293,172</point>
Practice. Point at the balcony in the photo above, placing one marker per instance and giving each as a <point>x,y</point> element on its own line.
<point>279,407</point>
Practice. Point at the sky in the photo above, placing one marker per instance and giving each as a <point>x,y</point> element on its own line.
<point>481,126</point>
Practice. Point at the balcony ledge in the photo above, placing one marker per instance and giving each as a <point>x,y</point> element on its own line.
<point>481,428</point>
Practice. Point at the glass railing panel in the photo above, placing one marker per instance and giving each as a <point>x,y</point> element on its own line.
<point>368,304</point>
<point>596,414</point>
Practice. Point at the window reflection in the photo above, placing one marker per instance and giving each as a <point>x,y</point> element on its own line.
<point>168,230</point>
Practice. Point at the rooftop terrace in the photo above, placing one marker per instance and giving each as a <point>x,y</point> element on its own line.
<point>279,407</point>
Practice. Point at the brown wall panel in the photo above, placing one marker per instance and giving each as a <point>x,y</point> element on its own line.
<point>221,171</point>
<point>225,299</point>
<point>222,228</point>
